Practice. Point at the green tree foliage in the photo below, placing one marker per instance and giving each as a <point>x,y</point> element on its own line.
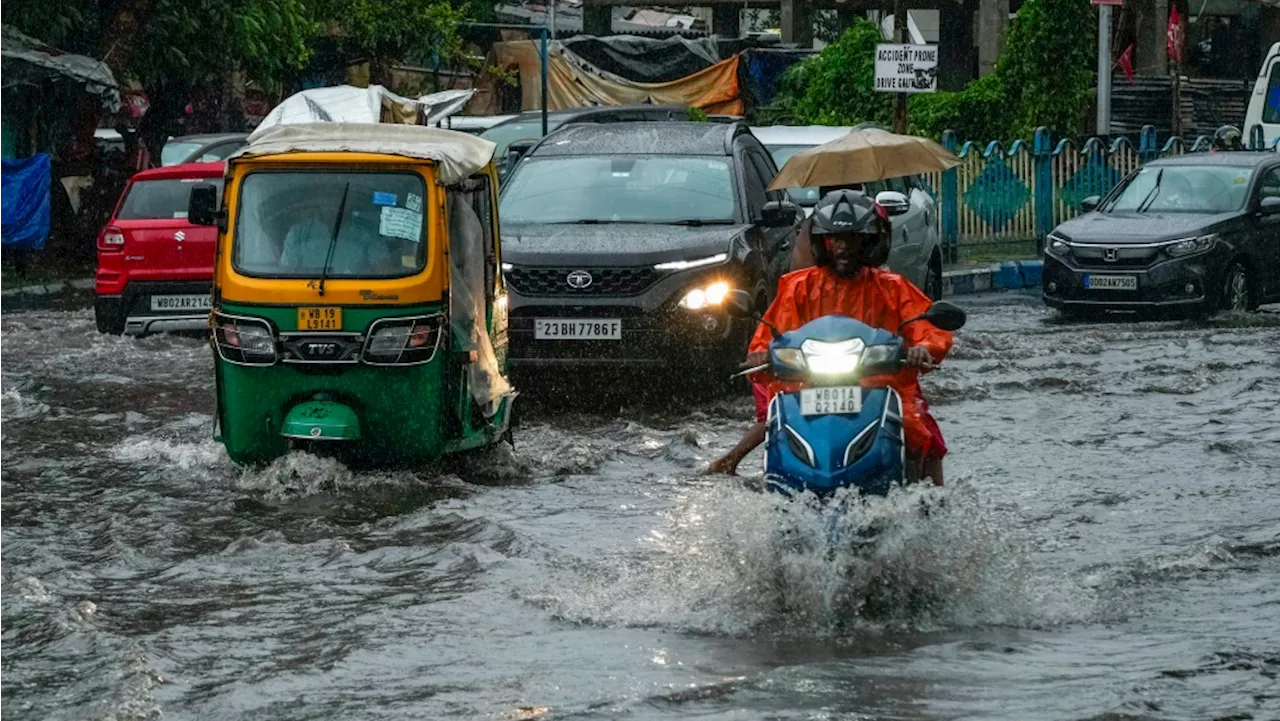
<point>385,31</point>
<point>1044,77</point>
<point>834,86</point>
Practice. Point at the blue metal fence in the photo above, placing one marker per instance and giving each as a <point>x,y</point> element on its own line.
<point>998,195</point>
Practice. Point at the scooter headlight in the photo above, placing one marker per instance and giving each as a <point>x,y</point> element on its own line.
<point>880,355</point>
<point>791,358</point>
<point>839,358</point>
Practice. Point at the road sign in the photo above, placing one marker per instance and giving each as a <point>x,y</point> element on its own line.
<point>907,68</point>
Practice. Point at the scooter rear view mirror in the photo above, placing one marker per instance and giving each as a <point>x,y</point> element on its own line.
<point>739,304</point>
<point>943,315</point>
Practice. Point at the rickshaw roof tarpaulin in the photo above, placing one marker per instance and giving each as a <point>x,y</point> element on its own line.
<point>457,155</point>
<point>343,104</point>
<point>26,62</point>
<point>863,156</point>
<point>573,82</point>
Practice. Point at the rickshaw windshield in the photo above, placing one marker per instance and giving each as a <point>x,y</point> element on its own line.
<point>288,224</point>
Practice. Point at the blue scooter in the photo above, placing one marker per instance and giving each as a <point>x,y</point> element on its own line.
<point>834,432</point>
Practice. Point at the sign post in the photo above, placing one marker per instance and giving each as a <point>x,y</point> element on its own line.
<point>906,69</point>
<point>1103,126</point>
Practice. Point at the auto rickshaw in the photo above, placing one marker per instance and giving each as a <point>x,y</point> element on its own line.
<point>358,310</point>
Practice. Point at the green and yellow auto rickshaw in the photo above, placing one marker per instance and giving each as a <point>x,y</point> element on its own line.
<point>357,305</point>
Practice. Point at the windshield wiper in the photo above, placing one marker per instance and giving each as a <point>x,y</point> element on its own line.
<point>698,222</point>
<point>1151,195</point>
<point>333,242</point>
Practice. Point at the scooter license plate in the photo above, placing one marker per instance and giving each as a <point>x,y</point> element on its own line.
<point>831,400</point>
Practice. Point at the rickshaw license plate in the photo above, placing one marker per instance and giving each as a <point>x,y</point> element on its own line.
<point>319,319</point>
<point>831,400</point>
<point>577,329</point>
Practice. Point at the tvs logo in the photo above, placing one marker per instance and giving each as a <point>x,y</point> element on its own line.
<point>325,350</point>
<point>579,280</point>
<point>180,236</point>
<point>1110,255</point>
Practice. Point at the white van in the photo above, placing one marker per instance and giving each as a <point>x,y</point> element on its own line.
<point>1264,106</point>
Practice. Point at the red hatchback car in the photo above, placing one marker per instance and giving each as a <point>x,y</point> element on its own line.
<point>155,270</point>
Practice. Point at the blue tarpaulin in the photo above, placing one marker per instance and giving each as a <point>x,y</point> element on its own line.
<point>24,202</point>
<point>765,68</point>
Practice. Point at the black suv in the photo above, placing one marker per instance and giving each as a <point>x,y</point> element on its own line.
<point>622,240</point>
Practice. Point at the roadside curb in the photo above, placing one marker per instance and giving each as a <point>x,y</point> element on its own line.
<point>1009,275</point>
<point>41,295</point>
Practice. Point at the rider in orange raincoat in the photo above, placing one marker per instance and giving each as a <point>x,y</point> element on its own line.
<point>848,227</point>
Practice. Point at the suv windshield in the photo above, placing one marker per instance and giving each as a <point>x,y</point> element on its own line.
<point>160,199</point>
<point>1184,189</point>
<point>621,189</point>
<point>286,222</point>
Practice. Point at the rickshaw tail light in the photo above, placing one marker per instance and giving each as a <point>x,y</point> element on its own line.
<point>244,341</point>
<point>402,341</point>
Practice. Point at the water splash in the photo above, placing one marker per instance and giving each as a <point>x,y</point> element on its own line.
<point>732,561</point>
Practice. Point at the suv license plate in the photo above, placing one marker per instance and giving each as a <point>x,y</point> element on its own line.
<point>577,329</point>
<point>831,400</point>
<point>1111,282</point>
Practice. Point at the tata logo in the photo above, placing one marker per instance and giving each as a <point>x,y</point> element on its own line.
<point>325,350</point>
<point>1110,255</point>
<point>180,236</point>
<point>579,280</point>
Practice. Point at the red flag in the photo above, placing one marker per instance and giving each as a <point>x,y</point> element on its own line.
<point>1126,63</point>
<point>1177,35</point>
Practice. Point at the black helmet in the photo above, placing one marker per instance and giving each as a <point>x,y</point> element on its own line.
<point>1228,138</point>
<point>850,211</point>
<point>846,211</point>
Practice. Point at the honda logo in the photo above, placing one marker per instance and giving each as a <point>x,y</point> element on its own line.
<point>179,236</point>
<point>1110,255</point>
<point>579,280</point>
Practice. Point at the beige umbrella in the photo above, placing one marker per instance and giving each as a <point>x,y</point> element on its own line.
<point>861,157</point>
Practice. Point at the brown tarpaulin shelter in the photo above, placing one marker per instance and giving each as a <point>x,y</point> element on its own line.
<point>574,83</point>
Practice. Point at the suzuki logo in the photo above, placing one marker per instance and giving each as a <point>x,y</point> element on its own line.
<point>179,236</point>
<point>1110,255</point>
<point>579,279</point>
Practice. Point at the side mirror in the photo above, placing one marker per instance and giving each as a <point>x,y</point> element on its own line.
<point>1090,203</point>
<point>1269,206</point>
<point>893,202</point>
<point>202,205</point>
<point>739,304</point>
<point>780,213</point>
<point>944,315</point>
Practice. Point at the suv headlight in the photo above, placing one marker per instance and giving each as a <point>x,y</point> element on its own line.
<point>838,358</point>
<point>1191,246</point>
<point>710,295</point>
<point>1058,244</point>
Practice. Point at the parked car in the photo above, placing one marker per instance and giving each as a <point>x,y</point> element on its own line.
<point>1264,105</point>
<point>473,124</point>
<point>155,269</point>
<point>916,253</point>
<point>201,148</point>
<point>622,241</point>
<point>1199,231</point>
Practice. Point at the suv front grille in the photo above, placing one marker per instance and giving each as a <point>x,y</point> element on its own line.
<point>1095,256</point>
<point>549,282</point>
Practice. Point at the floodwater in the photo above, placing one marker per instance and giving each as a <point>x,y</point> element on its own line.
<point>1108,548</point>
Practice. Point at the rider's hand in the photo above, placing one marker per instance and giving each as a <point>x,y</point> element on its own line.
<point>920,357</point>
<point>759,357</point>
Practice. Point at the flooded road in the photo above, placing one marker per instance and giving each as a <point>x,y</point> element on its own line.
<point>1109,548</point>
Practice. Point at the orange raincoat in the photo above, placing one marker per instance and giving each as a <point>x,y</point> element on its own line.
<point>876,297</point>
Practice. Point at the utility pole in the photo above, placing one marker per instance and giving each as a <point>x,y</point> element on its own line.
<point>552,18</point>
<point>1104,69</point>
<point>900,36</point>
